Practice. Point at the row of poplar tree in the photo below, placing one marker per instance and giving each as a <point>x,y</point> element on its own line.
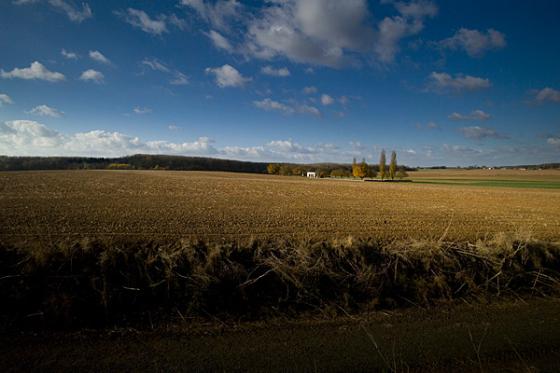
<point>363,170</point>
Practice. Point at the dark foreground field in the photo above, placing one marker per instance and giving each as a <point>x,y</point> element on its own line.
<point>521,336</point>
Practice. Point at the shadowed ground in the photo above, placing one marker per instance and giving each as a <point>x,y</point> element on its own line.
<point>520,336</point>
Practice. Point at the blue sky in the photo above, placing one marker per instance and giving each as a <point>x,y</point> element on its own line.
<point>442,83</point>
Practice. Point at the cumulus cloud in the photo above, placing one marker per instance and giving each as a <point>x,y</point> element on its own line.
<point>68,55</point>
<point>326,100</point>
<point>35,71</point>
<point>443,82</point>
<point>475,42</point>
<point>316,32</point>
<point>99,57</point>
<point>547,94</point>
<point>5,99</point>
<point>227,76</point>
<point>25,137</point>
<point>219,40</point>
<point>46,111</point>
<point>280,72</point>
<point>392,29</point>
<point>92,76</point>
<point>474,115</point>
<point>479,133</point>
<point>320,32</point>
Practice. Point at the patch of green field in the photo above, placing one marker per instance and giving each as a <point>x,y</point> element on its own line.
<point>532,184</point>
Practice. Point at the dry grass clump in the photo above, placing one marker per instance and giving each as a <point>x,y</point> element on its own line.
<point>100,283</point>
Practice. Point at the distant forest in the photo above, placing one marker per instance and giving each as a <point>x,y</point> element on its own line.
<point>179,163</point>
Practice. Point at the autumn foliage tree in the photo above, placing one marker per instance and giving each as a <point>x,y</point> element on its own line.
<point>356,169</point>
<point>273,168</point>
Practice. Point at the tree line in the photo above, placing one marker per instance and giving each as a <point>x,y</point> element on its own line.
<point>360,170</point>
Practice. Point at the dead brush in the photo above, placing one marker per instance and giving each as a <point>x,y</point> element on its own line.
<point>97,283</point>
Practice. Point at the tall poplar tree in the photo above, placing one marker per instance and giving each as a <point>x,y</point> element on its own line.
<point>393,165</point>
<point>382,162</point>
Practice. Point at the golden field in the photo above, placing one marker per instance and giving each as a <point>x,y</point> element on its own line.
<point>224,206</point>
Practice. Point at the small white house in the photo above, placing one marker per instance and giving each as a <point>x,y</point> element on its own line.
<point>311,174</point>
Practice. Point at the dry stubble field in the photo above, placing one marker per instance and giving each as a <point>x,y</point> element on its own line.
<point>216,206</point>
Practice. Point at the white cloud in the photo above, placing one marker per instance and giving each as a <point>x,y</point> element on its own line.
<point>35,71</point>
<point>141,20</point>
<point>69,55</point>
<point>474,42</point>
<point>280,72</point>
<point>554,141</point>
<point>92,75</point>
<point>177,77</point>
<point>268,104</point>
<point>46,111</point>
<point>391,30</point>
<point>72,11</point>
<point>474,115</point>
<point>141,110</point>
<point>315,31</point>
<point>25,137</point>
<point>5,99</point>
<point>320,32</point>
<point>69,7</point>
<point>99,57</point>
<point>217,14</point>
<point>308,109</point>
<point>326,100</point>
<point>441,82</point>
<point>219,41</point>
<point>173,127</point>
<point>227,76</point>
<point>310,90</point>
<point>155,65</point>
<point>479,133</point>
<point>547,95</point>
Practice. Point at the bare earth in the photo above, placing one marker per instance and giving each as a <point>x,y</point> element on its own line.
<point>219,206</point>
